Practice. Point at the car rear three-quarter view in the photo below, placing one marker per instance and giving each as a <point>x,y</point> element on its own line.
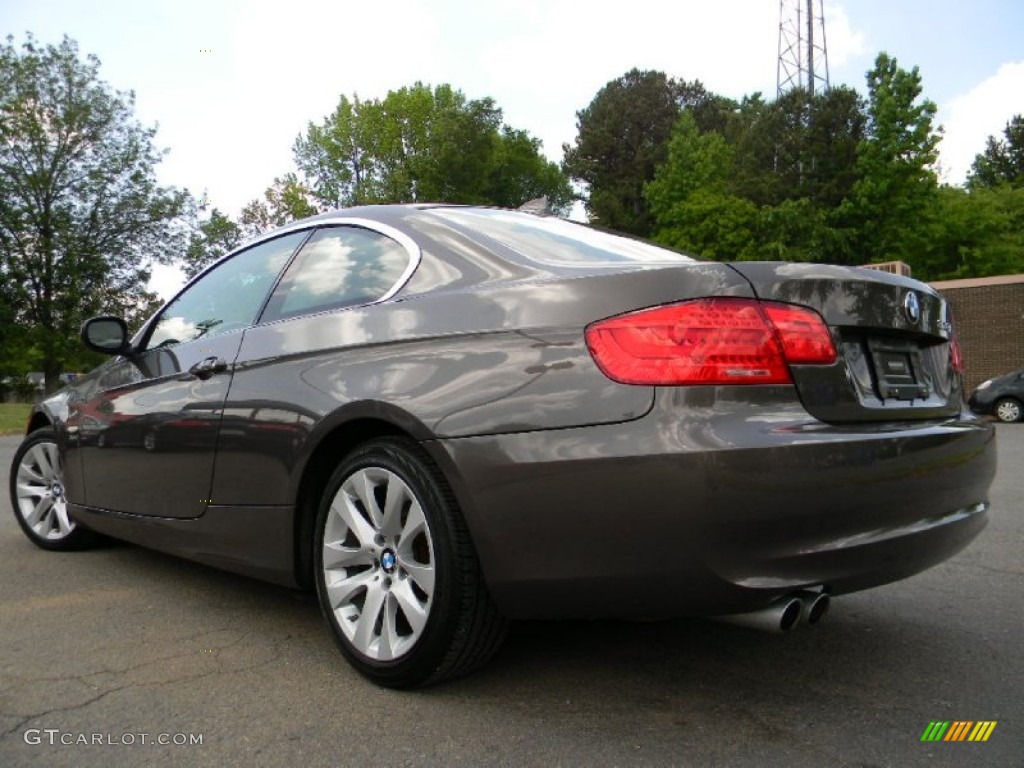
<point>444,418</point>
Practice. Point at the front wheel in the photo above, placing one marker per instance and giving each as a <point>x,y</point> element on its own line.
<point>1008,410</point>
<point>37,495</point>
<point>396,572</point>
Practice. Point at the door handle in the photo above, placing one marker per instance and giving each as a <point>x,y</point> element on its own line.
<point>204,369</point>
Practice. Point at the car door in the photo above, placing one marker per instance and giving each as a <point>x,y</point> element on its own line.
<point>292,367</point>
<point>158,412</point>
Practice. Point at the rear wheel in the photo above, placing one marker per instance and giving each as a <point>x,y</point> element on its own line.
<point>1008,409</point>
<point>37,495</point>
<point>397,576</point>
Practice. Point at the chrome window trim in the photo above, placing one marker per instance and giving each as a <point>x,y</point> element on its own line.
<point>410,246</point>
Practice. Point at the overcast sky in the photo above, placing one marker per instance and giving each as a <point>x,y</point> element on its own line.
<point>231,83</point>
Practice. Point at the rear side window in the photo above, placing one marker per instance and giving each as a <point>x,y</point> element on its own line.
<point>339,267</point>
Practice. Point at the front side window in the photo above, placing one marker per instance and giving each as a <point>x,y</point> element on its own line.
<point>226,298</point>
<point>339,267</point>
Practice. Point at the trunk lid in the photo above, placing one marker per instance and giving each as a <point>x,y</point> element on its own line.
<point>893,337</point>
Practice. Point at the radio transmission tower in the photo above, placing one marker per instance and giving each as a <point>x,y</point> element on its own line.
<point>803,57</point>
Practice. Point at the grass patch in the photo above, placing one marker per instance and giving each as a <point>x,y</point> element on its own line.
<point>13,417</point>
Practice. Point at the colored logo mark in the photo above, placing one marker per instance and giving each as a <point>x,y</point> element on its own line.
<point>958,730</point>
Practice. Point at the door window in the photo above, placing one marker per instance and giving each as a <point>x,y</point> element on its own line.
<point>228,297</point>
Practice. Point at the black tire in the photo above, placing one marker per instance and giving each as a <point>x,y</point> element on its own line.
<point>52,529</point>
<point>462,629</point>
<point>1008,410</point>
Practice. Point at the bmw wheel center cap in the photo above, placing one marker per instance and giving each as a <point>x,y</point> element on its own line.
<point>388,561</point>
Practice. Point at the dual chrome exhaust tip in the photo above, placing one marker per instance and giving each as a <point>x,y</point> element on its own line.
<point>785,613</point>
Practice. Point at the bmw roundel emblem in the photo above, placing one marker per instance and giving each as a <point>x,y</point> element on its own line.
<point>388,560</point>
<point>912,307</point>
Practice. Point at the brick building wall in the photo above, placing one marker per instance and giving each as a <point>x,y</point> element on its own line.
<point>989,317</point>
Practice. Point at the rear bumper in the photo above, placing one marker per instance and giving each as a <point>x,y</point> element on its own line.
<point>718,501</point>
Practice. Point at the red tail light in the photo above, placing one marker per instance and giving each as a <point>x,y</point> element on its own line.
<point>710,341</point>
<point>956,355</point>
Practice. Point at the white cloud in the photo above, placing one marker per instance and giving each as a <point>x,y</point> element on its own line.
<point>844,42</point>
<point>969,119</point>
<point>559,53</point>
<point>232,124</point>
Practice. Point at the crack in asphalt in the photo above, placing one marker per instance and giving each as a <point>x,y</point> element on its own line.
<point>276,652</point>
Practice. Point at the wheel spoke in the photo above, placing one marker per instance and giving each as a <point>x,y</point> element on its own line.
<point>27,470</point>
<point>27,491</point>
<point>64,523</point>
<point>42,459</point>
<point>414,611</point>
<point>415,523</point>
<point>372,606</point>
<point>346,509</point>
<point>397,493</point>
<point>45,526</point>
<point>421,573</point>
<point>362,485</point>
<point>341,591</point>
<point>389,639</point>
<point>336,555</point>
<point>36,515</point>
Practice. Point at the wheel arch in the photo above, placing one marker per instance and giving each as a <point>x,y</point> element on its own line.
<point>38,420</point>
<point>332,439</point>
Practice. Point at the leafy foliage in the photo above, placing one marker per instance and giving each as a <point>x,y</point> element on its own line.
<point>287,199</point>
<point>975,233</point>
<point>837,178</point>
<point>81,213</point>
<point>211,239</point>
<point>418,144</point>
<point>623,136</point>
<point>1003,159</point>
<point>896,181</point>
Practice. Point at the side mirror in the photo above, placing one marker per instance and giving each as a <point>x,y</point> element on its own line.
<point>108,335</point>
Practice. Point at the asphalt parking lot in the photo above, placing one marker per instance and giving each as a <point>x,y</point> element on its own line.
<point>122,642</point>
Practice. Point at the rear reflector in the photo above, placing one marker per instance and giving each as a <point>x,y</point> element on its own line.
<point>710,341</point>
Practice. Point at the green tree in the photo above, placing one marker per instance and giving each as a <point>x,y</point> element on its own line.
<point>623,136</point>
<point>287,199</point>
<point>81,213</point>
<point>213,237</point>
<point>797,147</point>
<point>690,201</point>
<point>422,144</point>
<point>837,123</point>
<point>974,233</point>
<point>1002,162</point>
<point>896,186</point>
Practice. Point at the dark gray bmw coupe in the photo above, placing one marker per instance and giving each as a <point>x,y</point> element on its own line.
<point>445,417</point>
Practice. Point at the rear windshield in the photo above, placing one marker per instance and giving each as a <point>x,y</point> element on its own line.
<point>553,241</point>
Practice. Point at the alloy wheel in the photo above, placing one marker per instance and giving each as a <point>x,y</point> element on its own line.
<point>378,563</point>
<point>40,492</point>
